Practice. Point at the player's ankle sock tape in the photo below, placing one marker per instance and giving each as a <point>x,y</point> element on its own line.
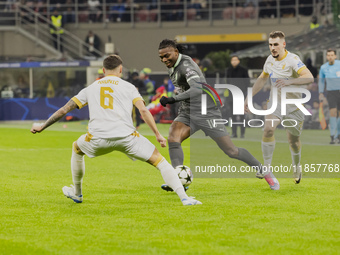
<point>176,154</point>
<point>158,160</point>
<point>268,139</point>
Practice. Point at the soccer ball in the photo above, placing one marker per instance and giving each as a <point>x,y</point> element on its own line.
<point>184,174</point>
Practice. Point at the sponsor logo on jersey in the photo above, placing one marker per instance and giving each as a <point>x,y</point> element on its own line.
<point>189,72</point>
<point>300,64</point>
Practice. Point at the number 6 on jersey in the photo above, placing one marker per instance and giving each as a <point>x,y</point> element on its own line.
<point>106,100</point>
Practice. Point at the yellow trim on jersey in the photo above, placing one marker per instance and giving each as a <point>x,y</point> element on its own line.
<point>284,56</point>
<point>268,139</point>
<point>158,160</point>
<point>137,99</point>
<point>88,137</point>
<point>301,69</point>
<point>112,75</point>
<point>76,100</point>
<point>265,73</point>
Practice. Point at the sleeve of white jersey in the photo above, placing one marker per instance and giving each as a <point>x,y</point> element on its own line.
<point>135,95</point>
<point>265,70</point>
<point>81,98</point>
<point>297,64</point>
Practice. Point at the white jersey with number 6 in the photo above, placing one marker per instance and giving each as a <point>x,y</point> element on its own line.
<point>110,101</point>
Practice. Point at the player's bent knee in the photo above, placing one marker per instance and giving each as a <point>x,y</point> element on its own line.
<point>268,132</point>
<point>294,144</point>
<point>76,149</point>
<point>173,139</point>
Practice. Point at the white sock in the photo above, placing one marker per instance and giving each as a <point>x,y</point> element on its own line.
<point>78,171</point>
<point>296,158</point>
<point>267,153</point>
<point>171,178</point>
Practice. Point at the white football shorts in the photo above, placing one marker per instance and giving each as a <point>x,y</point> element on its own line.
<point>135,146</point>
<point>293,121</point>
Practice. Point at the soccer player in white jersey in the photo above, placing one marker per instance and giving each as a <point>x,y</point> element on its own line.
<point>284,69</point>
<point>110,102</point>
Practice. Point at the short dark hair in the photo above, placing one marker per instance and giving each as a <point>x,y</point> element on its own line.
<point>275,34</point>
<point>171,43</point>
<point>331,49</point>
<point>112,62</point>
<point>234,56</point>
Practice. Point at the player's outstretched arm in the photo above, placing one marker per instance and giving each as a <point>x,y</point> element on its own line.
<point>148,118</point>
<point>69,106</point>
<point>260,82</point>
<point>305,77</point>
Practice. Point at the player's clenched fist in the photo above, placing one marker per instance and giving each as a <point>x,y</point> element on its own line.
<point>36,128</point>
<point>167,100</point>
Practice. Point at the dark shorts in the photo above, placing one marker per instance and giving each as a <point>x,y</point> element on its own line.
<point>333,97</point>
<point>204,123</point>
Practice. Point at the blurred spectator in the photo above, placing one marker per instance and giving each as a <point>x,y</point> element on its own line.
<point>149,84</point>
<point>117,11</point>
<point>312,68</point>
<point>267,9</point>
<point>100,74</point>
<point>68,12</point>
<point>239,11</point>
<point>169,87</point>
<point>287,8</point>
<point>196,7</point>
<point>314,91</point>
<point>238,75</point>
<point>134,79</point>
<point>250,10</point>
<point>172,11</point>
<point>94,42</point>
<point>25,14</point>
<point>95,10</point>
<point>56,29</point>
<point>10,4</point>
<point>155,106</point>
<point>22,88</point>
<point>314,23</point>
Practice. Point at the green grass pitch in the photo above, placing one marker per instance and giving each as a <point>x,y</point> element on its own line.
<point>125,211</point>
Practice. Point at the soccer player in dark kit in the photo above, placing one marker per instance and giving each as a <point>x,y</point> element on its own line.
<point>186,76</point>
